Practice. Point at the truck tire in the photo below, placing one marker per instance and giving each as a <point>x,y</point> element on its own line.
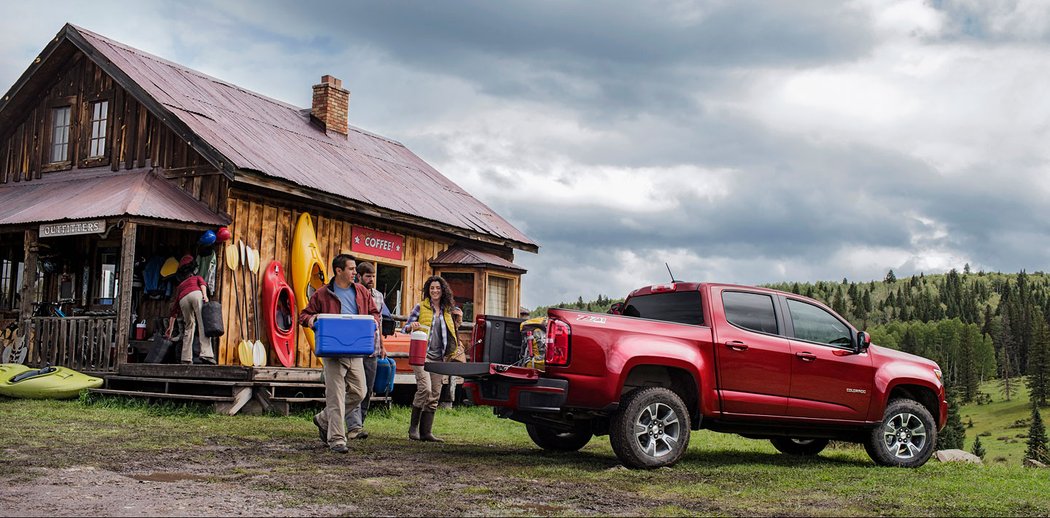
<point>651,429</point>
<point>558,440</point>
<point>796,446</point>
<point>906,436</point>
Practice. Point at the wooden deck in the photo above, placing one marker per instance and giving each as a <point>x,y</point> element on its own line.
<point>231,389</point>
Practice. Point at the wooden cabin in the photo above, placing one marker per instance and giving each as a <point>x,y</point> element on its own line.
<point>112,159</point>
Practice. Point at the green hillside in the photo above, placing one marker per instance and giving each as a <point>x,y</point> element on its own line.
<point>1002,425</point>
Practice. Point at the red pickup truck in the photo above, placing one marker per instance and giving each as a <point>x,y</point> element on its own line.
<point>684,356</point>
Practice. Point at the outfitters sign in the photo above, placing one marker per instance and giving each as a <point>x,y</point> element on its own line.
<point>97,226</point>
<point>377,243</point>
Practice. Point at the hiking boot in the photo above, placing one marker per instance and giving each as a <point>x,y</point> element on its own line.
<point>339,448</point>
<point>357,433</point>
<point>322,432</point>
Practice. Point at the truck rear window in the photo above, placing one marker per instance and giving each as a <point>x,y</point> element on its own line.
<point>682,307</point>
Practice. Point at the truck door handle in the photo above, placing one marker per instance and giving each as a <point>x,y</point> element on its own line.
<point>736,345</point>
<point>806,357</point>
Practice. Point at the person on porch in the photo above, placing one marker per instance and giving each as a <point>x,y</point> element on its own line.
<point>190,296</point>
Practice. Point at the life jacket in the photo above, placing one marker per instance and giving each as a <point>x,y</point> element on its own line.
<point>426,318</point>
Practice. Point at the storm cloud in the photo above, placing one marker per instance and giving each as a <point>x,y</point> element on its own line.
<point>743,141</point>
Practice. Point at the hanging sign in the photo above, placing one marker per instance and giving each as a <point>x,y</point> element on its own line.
<point>97,226</point>
<point>378,243</point>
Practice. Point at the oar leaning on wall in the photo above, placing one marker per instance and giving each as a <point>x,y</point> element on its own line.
<point>232,263</point>
<point>258,349</point>
<point>244,347</point>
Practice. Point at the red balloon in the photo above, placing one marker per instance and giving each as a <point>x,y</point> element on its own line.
<point>223,235</point>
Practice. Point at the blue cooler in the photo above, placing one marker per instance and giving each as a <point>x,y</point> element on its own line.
<point>344,335</point>
<point>385,370</point>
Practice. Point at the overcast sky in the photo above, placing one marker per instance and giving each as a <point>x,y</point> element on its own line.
<point>738,141</point>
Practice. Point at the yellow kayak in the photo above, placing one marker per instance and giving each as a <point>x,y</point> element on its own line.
<point>10,370</point>
<point>48,383</point>
<point>308,273</point>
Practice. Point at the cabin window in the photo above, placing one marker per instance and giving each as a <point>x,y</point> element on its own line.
<point>7,285</point>
<point>60,134</point>
<point>99,117</point>
<point>462,285</point>
<point>498,297</point>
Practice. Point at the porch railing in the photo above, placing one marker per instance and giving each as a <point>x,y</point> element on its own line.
<point>80,343</point>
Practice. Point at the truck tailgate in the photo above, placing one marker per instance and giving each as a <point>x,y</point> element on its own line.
<point>475,371</point>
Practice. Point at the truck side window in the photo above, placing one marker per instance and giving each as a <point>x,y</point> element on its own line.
<point>752,311</point>
<point>817,325</point>
<point>682,307</point>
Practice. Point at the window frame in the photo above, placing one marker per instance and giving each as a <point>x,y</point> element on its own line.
<point>790,322</point>
<point>511,308</point>
<point>92,122</point>
<point>84,149</point>
<point>778,313</point>
<point>49,165</point>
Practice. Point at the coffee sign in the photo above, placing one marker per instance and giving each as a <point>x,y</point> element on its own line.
<point>97,226</point>
<point>374,242</point>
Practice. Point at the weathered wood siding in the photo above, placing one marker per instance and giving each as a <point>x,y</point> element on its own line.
<point>135,138</point>
<point>268,226</point>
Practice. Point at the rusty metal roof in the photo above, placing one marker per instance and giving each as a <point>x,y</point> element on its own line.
<point>91,193</point>
<point>460,256</point>
<point>264,135</point>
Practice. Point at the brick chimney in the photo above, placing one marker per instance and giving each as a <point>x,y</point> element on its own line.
<point>330,105</point>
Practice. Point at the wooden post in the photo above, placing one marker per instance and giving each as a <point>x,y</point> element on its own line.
<point>28,292</point>
<point>127,264</point>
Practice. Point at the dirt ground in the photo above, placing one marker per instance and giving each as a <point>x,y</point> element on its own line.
<point>275,479</point>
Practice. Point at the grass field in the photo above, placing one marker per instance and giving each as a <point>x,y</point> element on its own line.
<point>488,466</point>
<point>1004,423</point>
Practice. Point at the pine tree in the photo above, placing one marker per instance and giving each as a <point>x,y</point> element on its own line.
<point>890,277</point>
<point>1037,442</point>
<point>977,449</point>
<point>954,434</point>
<point>1039,364</point>
<point>1006,362</point>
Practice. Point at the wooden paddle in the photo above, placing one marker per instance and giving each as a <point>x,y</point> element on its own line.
<point>244,347</point>
<point>258,349</point>
<point>231,262</point>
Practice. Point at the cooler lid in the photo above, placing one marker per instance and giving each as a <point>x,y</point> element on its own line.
<point>327,316</point>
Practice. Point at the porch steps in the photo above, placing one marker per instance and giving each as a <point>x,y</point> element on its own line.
<point>228,397</point>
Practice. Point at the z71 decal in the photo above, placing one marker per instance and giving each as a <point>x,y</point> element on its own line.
<point>590,318</point>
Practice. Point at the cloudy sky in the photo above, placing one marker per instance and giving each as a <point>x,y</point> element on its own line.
<point>738,141</point>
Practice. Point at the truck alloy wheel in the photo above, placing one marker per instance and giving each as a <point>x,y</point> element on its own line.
<point>651,429</point>
<point>905,437</point>
<point>795,446</point>
<point>558,440</point>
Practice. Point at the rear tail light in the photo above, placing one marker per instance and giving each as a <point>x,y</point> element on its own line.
<point>557,343</point>
<point>477,340</point>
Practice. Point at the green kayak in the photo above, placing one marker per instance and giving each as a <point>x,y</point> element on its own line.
<point>46,383</point>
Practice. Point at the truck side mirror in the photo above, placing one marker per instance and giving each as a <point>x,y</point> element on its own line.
<point>616,309</point>
<point>863,341</point>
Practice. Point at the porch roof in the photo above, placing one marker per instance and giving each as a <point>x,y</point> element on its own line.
<point>90,194</point>
<point>460,256</point>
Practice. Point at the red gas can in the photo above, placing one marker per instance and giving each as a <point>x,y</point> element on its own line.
<point>417,348</point>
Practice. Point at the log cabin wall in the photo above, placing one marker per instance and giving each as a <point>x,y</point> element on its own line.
<point>268,225</point>
<point>135,138</point>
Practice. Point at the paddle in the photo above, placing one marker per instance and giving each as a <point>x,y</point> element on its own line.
<point>258,349</point>
<point>231,262</point>
<point>244,347</point>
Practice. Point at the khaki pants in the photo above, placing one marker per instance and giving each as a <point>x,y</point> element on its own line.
<point>191,316</point>
<point>428,388</point>
<point>344,388</point>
